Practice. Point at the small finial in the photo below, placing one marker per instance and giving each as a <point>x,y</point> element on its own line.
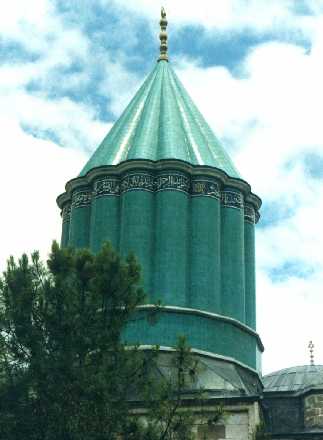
<point>311,347</point>
<point>163,36</point>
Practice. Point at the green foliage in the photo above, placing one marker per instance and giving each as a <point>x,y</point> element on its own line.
<point>168,416</point>
<point>64,370</point>
<point>217,414</point>
<point>261,433</point>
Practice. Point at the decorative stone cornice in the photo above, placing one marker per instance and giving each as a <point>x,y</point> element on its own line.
<point>106,186</point>
<point>172,180</point>
<point>66,212</point>
<point>232,199</point>
<point>206,354</point>
<point>250,214</point>
<point>176,175</point>
<point>203,313</point>
<point>205,187</point>
<point>81,198</point>
<point>136,181</point>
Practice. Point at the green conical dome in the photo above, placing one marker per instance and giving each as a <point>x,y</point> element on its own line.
<point>160,185</point>
<point>162,122</point>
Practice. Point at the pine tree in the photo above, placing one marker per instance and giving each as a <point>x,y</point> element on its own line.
<point>65,372</point>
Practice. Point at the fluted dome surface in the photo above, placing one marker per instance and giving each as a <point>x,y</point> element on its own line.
<point>162,122</point>
<point>160,185</point>
<point>294,378</point>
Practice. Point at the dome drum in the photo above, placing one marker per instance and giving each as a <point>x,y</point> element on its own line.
<point>293,399</point>
<point>191,228</point>
<point>213,334</point>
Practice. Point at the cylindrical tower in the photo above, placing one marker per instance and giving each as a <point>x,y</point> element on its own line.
<point>161,185</point>
<point>205,249</point>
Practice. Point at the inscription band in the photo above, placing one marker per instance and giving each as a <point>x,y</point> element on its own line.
<point>194,186</point>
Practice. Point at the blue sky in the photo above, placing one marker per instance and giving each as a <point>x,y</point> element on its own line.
<point>254,68</point>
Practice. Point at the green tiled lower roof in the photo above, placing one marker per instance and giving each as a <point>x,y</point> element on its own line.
<point>294,378</point>
<point>162,122</point>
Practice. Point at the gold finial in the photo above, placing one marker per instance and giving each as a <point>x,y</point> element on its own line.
<point>163,36</point>
<point>311,347</point>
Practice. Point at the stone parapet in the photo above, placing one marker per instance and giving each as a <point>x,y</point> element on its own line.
<point>313,411</point>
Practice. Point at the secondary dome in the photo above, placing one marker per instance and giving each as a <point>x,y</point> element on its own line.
<point>294,379</point>
<point>162,122</point>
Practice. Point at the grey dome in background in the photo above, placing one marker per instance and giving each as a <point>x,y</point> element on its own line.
<point>294,379</point>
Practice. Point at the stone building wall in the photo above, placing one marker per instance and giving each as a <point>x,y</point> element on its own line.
<point>239,423</point>
<point>283,414</point>
<point>313,411</point>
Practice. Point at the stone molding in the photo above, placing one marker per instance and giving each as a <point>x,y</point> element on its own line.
<point>168,175</point>
<point>106,186</point>
<point>66,212</point>
<point>202,353</point>
<point>81,198</point>
<point>232,199</point>
<point>194,187</point>
<point>205,187</point>
<point>112,186</point>
<point>205,314</point>
<point>250,214</point>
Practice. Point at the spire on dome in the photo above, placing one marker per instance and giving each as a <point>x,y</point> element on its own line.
<point>163,36</point>
<point>311,348</point>
<point>162,122</point>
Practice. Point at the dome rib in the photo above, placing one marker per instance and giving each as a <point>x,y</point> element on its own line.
<point>161,122</point>
<point>146,136</point>
<point>173,142</point>
<point>209,140</point>
<point>188,122</point>
<point>294,378</point>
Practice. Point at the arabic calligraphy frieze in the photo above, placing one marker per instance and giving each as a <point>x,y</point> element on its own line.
<point>192,186</point>
<point>232,199</point>
<point>172,181</point>
<point>138,181</point>
<point>66,213</point>
<point>109,186</point>
<point>81,198</point>
<point>249,214</point>
<point>203,187</point>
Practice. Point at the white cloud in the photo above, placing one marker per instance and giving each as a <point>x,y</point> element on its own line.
<point>119,85</point>
<point>38,28</point>
<point>289,316</point>
<point>35,170</point>
<point>231,15</point>
<point>270,115</point>
<point>17,16</point>
<point>33,173</point>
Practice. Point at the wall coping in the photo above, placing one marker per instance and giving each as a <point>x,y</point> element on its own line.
<point>210,315</point>
<point>203,353</point>
<point>155,166</point>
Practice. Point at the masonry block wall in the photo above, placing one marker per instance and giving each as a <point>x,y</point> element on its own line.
<point>313,411</point>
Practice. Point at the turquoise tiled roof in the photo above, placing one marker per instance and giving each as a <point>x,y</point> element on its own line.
<point>162,122</point>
